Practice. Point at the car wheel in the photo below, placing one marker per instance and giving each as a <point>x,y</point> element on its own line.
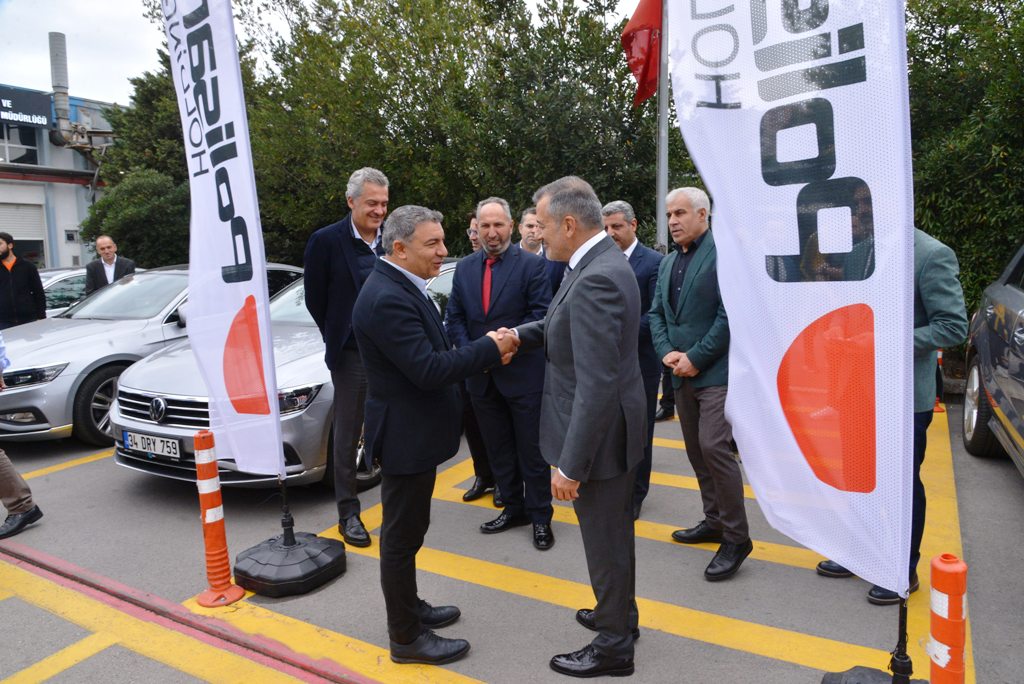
<point>91,411</point>
<point>978,438</point>
<point>368,475</point>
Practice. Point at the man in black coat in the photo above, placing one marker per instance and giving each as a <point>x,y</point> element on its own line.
<point>413,416</point>
<point>338,260</point>
<point>22,299</point>
<point>108,268</point>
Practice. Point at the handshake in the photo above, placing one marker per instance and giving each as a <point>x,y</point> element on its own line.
<point>508,343</point>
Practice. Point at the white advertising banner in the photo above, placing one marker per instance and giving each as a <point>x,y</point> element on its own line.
<point>228,319</point>
<point>796,114</point>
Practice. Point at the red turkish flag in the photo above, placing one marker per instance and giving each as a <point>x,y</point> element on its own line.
<point>641,39</point>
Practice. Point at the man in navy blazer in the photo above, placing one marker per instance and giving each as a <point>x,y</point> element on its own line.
<point>338,260</point>
<point>532,241</point>
<point>413,416</point>
<point>506,400</point>
<point>620,224</point>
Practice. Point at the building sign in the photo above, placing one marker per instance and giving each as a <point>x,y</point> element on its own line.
<point>24,107</point>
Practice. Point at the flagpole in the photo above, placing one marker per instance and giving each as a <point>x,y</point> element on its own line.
<point>662,234</point>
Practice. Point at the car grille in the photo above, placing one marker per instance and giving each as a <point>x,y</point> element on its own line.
<point>180,412</point>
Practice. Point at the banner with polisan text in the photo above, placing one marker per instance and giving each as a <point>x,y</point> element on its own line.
<point>228,319</point>
<point>796,115</point>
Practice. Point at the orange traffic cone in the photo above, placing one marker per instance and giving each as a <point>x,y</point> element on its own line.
<point>218,566</point>
<point>948,620</point>
<point>939,408</point>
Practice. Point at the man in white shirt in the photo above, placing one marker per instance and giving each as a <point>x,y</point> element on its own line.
<point>108,268</point>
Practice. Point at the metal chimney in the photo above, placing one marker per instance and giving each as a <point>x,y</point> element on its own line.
<point>59,77</point>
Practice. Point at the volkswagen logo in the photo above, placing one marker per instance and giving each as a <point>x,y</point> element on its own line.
<point>158,409</point>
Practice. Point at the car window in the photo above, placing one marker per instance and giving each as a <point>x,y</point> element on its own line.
<point>278,279</point>
<point>65,292</point>
<point>132,297</point>
<point>440,288</point>
<point>290,306</point>
<point>1016,278</point>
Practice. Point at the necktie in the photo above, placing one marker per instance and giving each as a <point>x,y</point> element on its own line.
<point>486,299</point>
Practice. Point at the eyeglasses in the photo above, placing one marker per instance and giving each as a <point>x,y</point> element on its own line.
<point>472,232</point>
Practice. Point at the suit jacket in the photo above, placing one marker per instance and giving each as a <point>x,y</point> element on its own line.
<point>520,293</point>
<point>940,317</point>
<point>645,262</point>
<point>96,277</point>
<point>698,326</point>
<point>413,418</point>
<point>331,280</point>
<point>593,423</point>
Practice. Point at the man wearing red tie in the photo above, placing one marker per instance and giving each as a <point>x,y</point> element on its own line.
<point>502,285</point>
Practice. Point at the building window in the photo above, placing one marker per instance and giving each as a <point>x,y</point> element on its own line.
<point>18,145</point>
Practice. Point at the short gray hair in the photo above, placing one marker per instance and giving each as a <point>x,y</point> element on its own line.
<point>494,200</point>
<point>526,211</point>
<point>401,224</point>
<point>619,207</point>
<point>572,196</point>
<point>361,177</point>
<point>698,198</point>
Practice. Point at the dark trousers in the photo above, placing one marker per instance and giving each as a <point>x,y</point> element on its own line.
<point>708,435</point>
<point>605,512</point>
<point>643,470</point>
<point>511,431</point>
<point>405,503</point>
<point>15,495</point>
<point>668,396</point>
<point>349,380</point>
<point>922,420</point>
<point>475,440</point>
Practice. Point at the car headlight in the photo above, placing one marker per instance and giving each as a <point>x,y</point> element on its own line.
<point>298,399</point>
<point>33,376</point>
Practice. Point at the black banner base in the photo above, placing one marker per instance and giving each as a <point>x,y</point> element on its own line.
<point>275,568</point>
<point>863,675</point>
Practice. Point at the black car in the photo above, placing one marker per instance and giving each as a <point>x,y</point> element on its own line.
<point>994,396</point>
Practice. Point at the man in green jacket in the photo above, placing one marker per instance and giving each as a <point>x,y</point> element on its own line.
<point>691,336</point>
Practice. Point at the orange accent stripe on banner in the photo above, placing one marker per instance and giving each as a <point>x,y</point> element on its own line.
<point>826,386</point>
<point>243,362</point>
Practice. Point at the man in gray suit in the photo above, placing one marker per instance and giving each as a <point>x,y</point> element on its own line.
<point>593,424</point>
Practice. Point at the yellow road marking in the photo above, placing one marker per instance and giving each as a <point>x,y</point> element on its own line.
<point>669,443</point>
<point>689,482</point>
<point>5,594</point>
<point>69,464</point>
<point>177,650</point>
<point>323,644</point>
<point>62,660</point>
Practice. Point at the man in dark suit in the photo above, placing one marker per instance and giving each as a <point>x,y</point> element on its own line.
<point>413,412</point>
<point>338,260</point>
<point>691,334</point>
<point>22,299</point>
<point>505,286</point>
<point>108,268</point>
<point>620,224</point>
<point>593,413</point>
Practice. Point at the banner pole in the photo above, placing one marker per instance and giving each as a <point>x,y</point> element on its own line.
<point>662,184</point>
<point>900,664</point>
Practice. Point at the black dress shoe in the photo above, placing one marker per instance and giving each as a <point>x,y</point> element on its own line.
<point>498,501</point>
<point>663,414</point>
<point>585,616</point>
<point>429,649</point>
<point>505,521</point>
<point>728,560</point>
<point>434,617</point>
<point>589,662</point>
<point>701,532</point>
<point>880,596</point>
<point>829,568</point>
<point>479,488</point>
<point>353,531</point>
<point>543,536</point>
<point>16,522</point>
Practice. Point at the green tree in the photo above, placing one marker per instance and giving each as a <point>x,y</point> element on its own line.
<point>146,214</point>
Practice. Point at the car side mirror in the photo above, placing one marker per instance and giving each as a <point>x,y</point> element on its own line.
<point>182,320</point>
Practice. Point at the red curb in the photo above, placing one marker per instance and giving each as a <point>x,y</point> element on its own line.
<point>169,615</point>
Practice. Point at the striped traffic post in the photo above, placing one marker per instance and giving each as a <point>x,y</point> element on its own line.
<point>948,619</point>
<point>218,566</point>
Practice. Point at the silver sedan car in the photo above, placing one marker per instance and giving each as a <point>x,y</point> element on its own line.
<point>162,402</point>
<point>64,369</point>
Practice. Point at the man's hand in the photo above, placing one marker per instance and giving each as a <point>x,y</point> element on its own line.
<point>683,367</point>
<point>671,358</point>
<point>562,488</point>
<point>2,385</point>
<point>507,343</point>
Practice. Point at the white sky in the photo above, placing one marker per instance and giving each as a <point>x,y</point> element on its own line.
<point>108,42</point>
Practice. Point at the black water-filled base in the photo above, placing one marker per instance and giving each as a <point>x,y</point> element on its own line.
<point>273,569</point>
<point>863,675</point>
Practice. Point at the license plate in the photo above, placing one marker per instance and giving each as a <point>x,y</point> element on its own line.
<point>157,446</point>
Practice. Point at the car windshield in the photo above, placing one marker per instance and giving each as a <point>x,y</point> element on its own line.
<point>137,296</point>
<point>289,306</point>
